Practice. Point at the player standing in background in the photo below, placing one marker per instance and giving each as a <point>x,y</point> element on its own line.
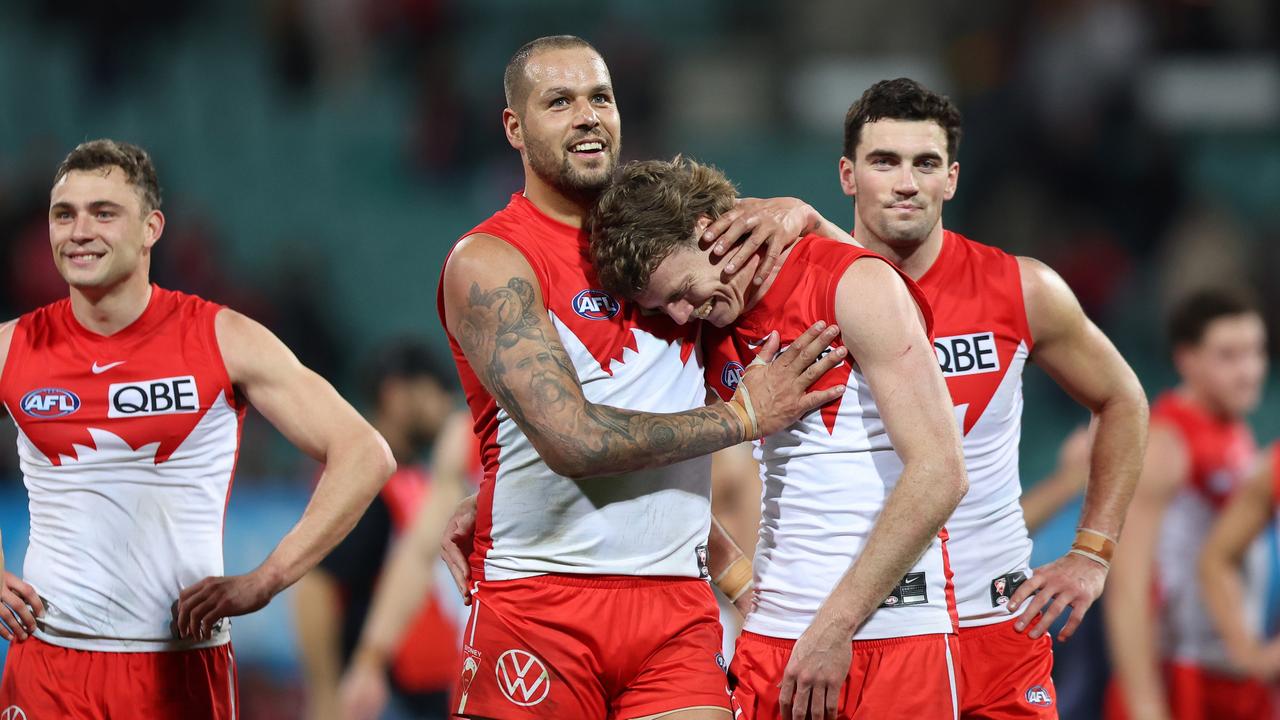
<point>854,600</point>
<point>1167,658</point>
<point>592,520</point>
<point>1224,587</point>
<point>129,400</point>
<point>993,312</point>
<point>411,405</point>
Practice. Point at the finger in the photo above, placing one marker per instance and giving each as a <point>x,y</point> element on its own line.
<point>833,701</point>
<point>809,352</point>
<point>1025,590</point>
<point>819,398</point>
<point>10,618</point>
<point>1033,608</point>
<point>19,608</point>
<point>770,347</point>
<point>1047,617</point>
<point>818,703</point>
<point>785,694</point>
<point>747,243</point>
<point>777,243</point>
<point>802,343</point>
<point>6,633</point>
<point>190,590</point>
<point>29,595</point>
<point>800,704</point>
<point>204,616</point>
<point>824,364</point>
<point>717,229</point>
<point>1073,622</point>
<point>456,563</point>
<point>187,613</point>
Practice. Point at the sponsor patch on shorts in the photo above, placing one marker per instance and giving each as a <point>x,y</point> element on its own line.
<point>1003,587</point>
<point>704,572</point>
<point>913,590</point>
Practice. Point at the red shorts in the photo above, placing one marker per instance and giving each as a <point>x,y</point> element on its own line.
<point>48,681</point>
<point>591,647</point>
<point>907,677</point>
<point>1006,674</point>
<point>1196,694</point>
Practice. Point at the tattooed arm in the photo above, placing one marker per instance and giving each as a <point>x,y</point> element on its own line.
<point>494,308</point>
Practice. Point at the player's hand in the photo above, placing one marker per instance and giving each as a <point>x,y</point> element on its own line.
<point>364,690</point>
<point>752,222</point>
<point>201,606</point>
<point>815,673</point>
<point>1069,580</point>
<point>746,602</point>
<point>21,606</point>
<point>778,389</point>
<point>459,540</point>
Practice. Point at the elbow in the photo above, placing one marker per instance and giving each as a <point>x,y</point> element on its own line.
<point>382,461</point>
<point>565,463</point>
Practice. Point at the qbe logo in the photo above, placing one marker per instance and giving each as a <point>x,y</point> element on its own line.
<point>522,678</point>
<point>163,396</point>
<point>1038,696</point>
<point>49,403</point>
<point>13,712</point>
<point>595,305</point>
<point>731,375</point>
<point>967,354</point>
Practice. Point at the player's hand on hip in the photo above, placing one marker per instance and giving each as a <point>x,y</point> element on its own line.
<point>459,540</point>
<point>19,607</point>
<point>364,690</point>
<point>776,223</point>
<point>815,673</point>
<point>201,606</point>
<point>778,390</point>
<point>1070,580</point>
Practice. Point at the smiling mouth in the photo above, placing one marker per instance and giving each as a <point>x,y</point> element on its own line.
<point>84,258</point>
<point>587,147</point>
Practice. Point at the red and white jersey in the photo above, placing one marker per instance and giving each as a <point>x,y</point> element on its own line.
<point>530,520</point>
<point>1222,453</point>
<point>825,478</point>
<point>127,444</point>
<point>982,340</point>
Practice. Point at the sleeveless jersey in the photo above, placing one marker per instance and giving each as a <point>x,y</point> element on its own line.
<point>127,445</point>
<point>982,340</point>
<point>532,521</point>
<point>825,478</point>
<point>1222,453</point>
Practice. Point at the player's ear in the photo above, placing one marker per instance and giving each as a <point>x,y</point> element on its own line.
<point>152,227</point>
<point>847,183</point>
<point>512,127</point>
<point>953,180</point>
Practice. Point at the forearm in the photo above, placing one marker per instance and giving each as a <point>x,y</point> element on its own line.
<point>1223,605</point>
<point>316,622</point>
<point>722,550</point>
<point>826,228</point>
<point>912,517</point>
<point>602,440</point>
<point>1131,636</point>
<point>1116,463</point>
<point>352,477</point>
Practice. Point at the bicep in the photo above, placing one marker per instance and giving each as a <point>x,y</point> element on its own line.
<point>881,326</point>
<point>1067,344</point>
<point>299,403</point>
<point>494,309</point>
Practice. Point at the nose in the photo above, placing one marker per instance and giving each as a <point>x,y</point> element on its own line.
<point>82,229</point>
<point>906,183</point>
<point>585,114</point>
<point>680,311</point>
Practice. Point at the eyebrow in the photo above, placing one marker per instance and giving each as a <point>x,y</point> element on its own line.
<point>563,90</point>
<point>926,155</point>
<point>95,205</point>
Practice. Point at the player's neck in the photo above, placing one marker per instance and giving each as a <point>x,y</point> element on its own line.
<point>560,205</point>
<point>107,312</point>
<point>914,259</point>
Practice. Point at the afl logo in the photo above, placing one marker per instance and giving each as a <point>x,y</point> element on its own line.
<point>1038,696</point>
<point>50,403</point>
<point>13,712</point>
<point>731,375</point>
<point>595,305</point>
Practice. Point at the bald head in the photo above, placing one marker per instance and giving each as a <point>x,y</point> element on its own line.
<point>516,82</point>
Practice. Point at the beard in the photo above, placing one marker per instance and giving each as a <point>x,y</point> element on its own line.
<point>561,174</point>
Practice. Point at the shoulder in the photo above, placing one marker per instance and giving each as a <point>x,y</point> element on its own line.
<point>1050,304</point>
<point>1168,460</point>
<point>6,338</point>
<point>481,255</point>
<point>247,346</point>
